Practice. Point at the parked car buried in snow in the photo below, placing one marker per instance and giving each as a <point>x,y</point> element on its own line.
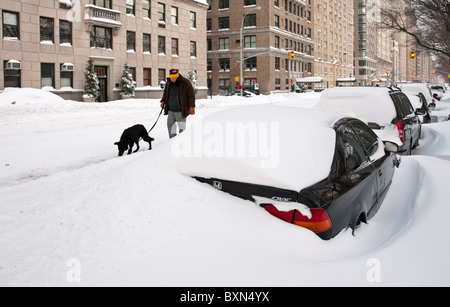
<point>416,88</point>
<point>318,170</point>
<point>387,111</point>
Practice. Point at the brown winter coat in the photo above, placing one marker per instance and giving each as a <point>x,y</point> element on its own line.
<point>186,96</point>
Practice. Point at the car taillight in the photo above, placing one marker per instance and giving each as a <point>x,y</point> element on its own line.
<point>401,131</point>
<point>318,222</point>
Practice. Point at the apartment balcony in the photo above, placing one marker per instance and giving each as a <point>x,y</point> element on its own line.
<point>100,16</point>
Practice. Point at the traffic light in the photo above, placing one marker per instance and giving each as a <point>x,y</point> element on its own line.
<point>412,54</point>
<point>291,54</point>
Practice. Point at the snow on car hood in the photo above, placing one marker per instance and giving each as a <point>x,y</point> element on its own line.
<point>278,146</point>
<point>369,104</point>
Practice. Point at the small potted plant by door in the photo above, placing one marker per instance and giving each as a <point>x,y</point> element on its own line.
<point>127,84</point>
<point>91,84</point>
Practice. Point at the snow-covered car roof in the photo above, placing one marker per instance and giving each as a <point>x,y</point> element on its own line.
<point>369,104</point>
<point>278,146</point>
<point>416,88</point>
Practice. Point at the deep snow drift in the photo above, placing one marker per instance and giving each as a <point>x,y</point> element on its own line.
<point>72,213</point>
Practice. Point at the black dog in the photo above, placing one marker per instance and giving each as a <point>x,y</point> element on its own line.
<point>130,136</point>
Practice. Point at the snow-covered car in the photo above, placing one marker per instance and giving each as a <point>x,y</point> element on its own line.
<point>437,91</point>
<point>387,111</point>
<point>245,93</point>
<point>315,169</point>
<point>416,88</point>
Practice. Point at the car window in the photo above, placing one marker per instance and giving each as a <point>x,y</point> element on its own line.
<point>353,150</point>
<point>402,108</point>
<point>407,105</point>
<point>367,137</point>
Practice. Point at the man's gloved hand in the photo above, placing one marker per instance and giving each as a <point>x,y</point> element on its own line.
<point>192,110</point>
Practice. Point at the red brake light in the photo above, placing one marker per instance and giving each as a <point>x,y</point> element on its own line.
<point>319,221</point>
<point>401,131</point>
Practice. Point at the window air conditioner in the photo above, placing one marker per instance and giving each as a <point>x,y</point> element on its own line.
<point>67,67</point>
<point>13,65</point>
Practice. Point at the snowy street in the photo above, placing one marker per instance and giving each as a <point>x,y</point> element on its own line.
<point>72,213</point>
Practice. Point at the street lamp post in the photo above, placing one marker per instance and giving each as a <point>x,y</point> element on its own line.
<point>240,39</point>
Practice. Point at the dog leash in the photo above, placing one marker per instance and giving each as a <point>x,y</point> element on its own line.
<point>156,120</point>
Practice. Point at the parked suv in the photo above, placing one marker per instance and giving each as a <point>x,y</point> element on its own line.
<point>387,111</point>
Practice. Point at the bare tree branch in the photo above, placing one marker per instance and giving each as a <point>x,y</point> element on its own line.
<point>426,21</point>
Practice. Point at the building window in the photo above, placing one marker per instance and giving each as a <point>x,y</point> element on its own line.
<point>249,2</point>
<point>208,44</point>
<point>277,42</point>
<point>46,30</point>
<point>277,21</point>
<point>130,7</point>
<point>208,24</point>
<point>250,64</point>
<point>174,46</point>
<point>47,75</point>
<point>65,32</point>
<point>249,84</point>
<point>250,20</point>
<point>277,63</point>
<point>66,77</point>
<point>224,85</point>
<point>146,9</point>
<point>67,5</point>
<point>224,23</point>
<point>224,43</point>
<point>193,49</point>
<point>161,76</point>
<point>146,41</point>
<point>224,4</point>
<point>101,3</point>
<point>147,76</point>
<point>174,15</point>
<point>224,64</point>
<point>277,84</point>
<point>11,25</point>
<point>161,45</point>
<point>250,41</point>
<point>193,19</point>
<point>131,41</point>
<point>11,77</point>
<point>209,64</point>
<point>101,37</point>
<point>161,12</point>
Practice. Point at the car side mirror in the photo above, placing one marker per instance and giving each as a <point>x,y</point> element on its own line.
<point>420,111</point>
<point>373,126</point>
<point>390,146</point>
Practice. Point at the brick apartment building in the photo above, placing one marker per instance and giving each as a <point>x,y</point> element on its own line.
<point>271,30</point>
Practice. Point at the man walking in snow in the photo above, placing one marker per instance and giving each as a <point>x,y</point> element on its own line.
<point>178,102</point>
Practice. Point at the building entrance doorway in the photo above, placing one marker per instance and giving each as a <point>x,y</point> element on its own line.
<point>102,75</point>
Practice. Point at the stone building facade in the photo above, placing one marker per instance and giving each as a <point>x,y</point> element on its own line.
<point>334,28</point>
<point>50,42</point>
